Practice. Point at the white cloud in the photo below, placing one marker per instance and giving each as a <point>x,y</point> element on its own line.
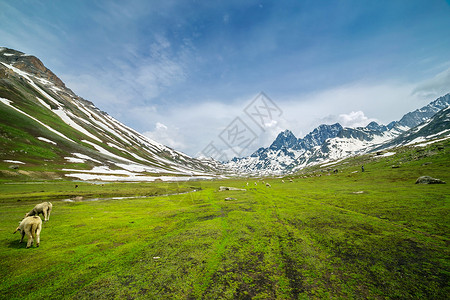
<point>161,126</point>
<point>118,85</point>
<point>382,102</point>
<point>169,137</point>
<point>354,119</point>
<point>352,105</point>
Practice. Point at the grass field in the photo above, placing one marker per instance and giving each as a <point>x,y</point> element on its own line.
<point>347,235</point>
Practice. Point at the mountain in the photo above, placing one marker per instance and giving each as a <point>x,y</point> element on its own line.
<point>47,131</point>
<point>435,128</point>
<point>332,142</point>
<point>285,139</point>
<point>412,119</point>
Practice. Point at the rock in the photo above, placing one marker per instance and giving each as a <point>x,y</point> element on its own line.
<point>227,188</point>
<point>14,167</point>
<point>428,180</point>
<point>230,199</point>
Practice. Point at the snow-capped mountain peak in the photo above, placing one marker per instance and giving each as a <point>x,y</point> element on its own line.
<point>331,142</point>
<point>284,139</point>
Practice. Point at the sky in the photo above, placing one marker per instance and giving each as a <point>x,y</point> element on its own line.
<point>184,72</point>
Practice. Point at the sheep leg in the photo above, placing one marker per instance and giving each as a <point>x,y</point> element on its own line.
<point>30,238</point>
<point>22,233</point>
<point>48,213</point>
<point>38,236</point>
<point>44,212</point>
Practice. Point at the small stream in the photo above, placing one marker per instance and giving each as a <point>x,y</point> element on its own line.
<point>81,199</point>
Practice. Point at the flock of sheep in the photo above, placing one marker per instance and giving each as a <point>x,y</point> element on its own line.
<point>31,225</point>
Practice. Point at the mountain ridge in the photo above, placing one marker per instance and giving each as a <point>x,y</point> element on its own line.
<point>45,120</point>
<point>331,142</point>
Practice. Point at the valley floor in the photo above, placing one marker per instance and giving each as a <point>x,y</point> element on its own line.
<point>351,234</point>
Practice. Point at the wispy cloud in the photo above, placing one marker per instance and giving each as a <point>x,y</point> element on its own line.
<point>191,68</point>
<point>171,137</point>
<point>132,79</point>
<point>434,87</point>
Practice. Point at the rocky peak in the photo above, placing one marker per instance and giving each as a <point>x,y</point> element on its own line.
<point>29,64</point>
<point>416,117</point>
<point>376,127</point>
<point>284,139</point>
<point>319,135</point>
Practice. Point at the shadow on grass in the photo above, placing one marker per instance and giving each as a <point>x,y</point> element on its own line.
<point>14,244</point>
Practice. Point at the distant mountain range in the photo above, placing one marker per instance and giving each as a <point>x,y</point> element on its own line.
<point>331,142</point>
<point>46,131</point>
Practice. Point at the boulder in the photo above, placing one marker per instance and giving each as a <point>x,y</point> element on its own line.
<point>228,188</point>
<point>428,180</point>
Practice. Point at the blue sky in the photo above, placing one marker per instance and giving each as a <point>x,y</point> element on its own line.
<point>181,71</point>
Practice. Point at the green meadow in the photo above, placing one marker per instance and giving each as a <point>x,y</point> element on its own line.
<point>351,234</point>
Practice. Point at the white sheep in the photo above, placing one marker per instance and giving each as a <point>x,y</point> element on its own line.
<point>268,184</point>
<point>31,226</point>
<point>44,208</point>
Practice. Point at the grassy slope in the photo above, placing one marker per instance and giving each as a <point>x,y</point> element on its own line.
<point>311,238</point>
<point>19,133</point>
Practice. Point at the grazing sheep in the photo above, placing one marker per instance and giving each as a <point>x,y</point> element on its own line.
<point>268,184</point>
<point>282,180</point>
<point>44,208</point>
<point>31,226</point>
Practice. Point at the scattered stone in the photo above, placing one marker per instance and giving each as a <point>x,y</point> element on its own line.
<point>395,166</point>
<point>228,188</point>
<point>428,180</point>
<point>156,257</point>
<point>427,163</point>
<point>359,192</point>
<point>77,198</point>
<point>14,167</point>
<point>230,199</point>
